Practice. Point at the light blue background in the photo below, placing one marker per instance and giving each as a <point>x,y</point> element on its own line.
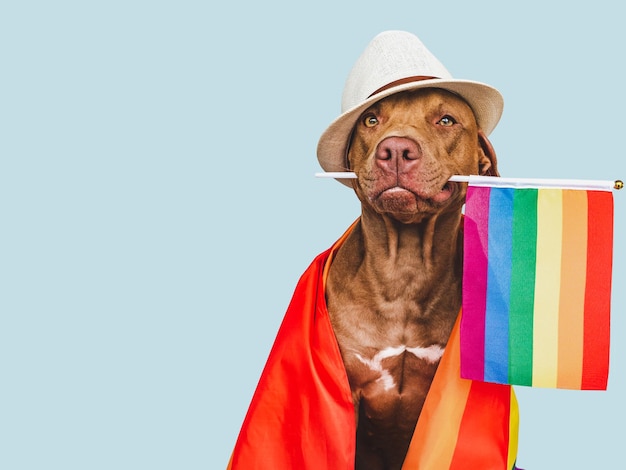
<point>158,204</point>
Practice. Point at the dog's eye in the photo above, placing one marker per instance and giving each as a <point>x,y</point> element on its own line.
<point>369,120</point>
<point>447,121</point>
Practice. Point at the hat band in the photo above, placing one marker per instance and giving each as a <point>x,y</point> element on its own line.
<point>402,81</point>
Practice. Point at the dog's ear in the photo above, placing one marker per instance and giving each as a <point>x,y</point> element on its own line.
<point>488,164</point>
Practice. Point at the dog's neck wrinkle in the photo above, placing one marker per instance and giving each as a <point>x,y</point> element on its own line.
<point>388,242</point>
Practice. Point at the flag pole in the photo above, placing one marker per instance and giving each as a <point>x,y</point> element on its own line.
<point>497,181</point>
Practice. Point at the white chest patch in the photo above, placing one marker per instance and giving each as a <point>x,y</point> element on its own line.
<point>430,354</point>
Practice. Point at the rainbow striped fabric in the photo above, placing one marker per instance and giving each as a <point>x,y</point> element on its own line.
<point>537,286</point>
<point>302,415</point>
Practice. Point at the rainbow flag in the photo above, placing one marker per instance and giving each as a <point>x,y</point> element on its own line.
<point>537,286</point>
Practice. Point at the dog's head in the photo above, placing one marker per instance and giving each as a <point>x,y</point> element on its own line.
<point>405,147</point>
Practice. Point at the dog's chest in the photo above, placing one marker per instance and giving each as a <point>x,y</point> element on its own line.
<point>390,384</point>
<point>391,369</point>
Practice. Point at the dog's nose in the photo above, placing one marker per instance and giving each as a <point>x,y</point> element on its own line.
<point>397,153</point>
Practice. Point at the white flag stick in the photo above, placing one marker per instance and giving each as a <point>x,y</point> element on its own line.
<point>500,182</point>
<point>337,174</point>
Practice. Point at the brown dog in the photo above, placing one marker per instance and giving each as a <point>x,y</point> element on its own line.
<point>371,317</point>
<point>394,287</point>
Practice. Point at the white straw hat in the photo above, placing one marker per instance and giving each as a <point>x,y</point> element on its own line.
<point>396,61</point>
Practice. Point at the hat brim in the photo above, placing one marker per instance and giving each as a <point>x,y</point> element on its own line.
<point>486,102</point>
